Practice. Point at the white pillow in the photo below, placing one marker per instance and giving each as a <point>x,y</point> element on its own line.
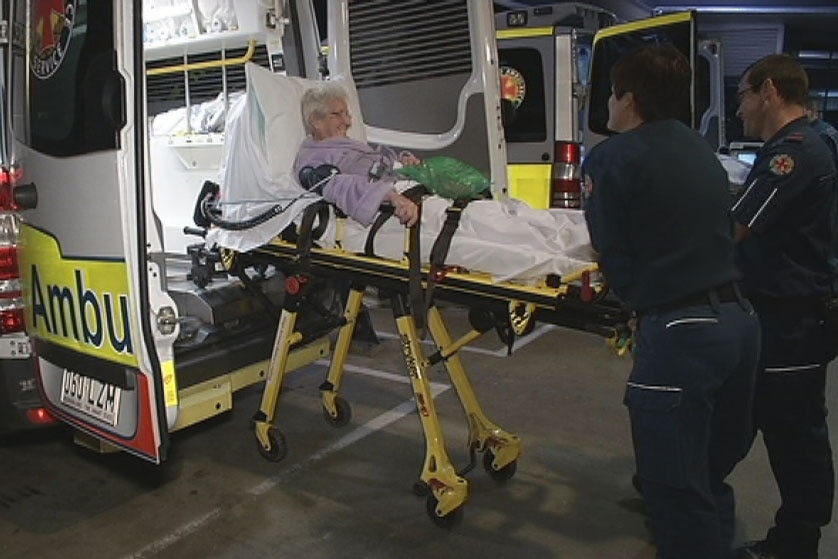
<point>279,99</point>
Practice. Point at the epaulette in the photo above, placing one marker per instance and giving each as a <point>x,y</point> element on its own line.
<point>794,137</point>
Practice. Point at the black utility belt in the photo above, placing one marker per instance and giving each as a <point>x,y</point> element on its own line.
<point>793,303</point>
<point>725,293</point>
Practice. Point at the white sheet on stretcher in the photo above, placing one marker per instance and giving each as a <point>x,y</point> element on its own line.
<point>509,239</point>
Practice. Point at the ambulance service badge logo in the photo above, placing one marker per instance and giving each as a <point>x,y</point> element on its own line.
<point>51,29</point>
<point>513,88</point>
<point>781,164</point>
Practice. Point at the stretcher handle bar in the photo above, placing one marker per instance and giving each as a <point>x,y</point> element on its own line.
<point>243,59</point>
<point>577,275</point>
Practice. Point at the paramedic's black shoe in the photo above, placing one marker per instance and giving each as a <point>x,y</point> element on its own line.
<point>763,549</point>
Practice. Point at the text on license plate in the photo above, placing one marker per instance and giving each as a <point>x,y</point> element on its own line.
<point>90,396</point>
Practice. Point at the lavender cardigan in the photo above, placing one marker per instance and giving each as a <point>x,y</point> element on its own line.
<point>352,190</point>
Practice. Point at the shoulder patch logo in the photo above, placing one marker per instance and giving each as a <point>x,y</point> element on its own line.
<point>51,30</point>
<point>781,164</point>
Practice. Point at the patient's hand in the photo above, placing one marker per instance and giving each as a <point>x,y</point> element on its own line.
<point>404,208</point>
<point>406,158</point>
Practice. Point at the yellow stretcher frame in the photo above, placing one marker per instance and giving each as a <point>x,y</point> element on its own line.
<point>445,487</point>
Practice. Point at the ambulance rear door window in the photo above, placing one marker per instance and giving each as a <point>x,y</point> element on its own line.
<point>75,102</point>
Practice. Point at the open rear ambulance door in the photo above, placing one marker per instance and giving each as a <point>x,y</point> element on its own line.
<point>77,114</point>
<point>610,43</point>
<point>427,77</point>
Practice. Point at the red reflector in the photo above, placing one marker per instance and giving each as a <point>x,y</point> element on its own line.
<point>7,201</point>
<point>567,185</point>
<point>568,152</point>
<point>11,321</point>
<point>8,263</point>
<point>566,189</point>
<point>294,284</point>
<point>39,416</point>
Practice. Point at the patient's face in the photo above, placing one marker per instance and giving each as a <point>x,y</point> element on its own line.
<point>335,123</point>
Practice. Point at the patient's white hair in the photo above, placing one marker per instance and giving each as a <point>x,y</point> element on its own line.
<point>315,102</point>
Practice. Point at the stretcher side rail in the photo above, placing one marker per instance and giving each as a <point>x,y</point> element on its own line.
<point>562,305</point>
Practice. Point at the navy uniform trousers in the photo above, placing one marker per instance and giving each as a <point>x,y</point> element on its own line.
<point>689,398</point>
<point>790,411</point>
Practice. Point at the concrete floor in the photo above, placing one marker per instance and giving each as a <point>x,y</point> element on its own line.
<point>347,492</point>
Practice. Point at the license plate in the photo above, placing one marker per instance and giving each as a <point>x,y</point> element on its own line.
<point>90,396</point>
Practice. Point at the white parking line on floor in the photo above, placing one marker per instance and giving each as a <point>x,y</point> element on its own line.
<point>517,344</point>
<point>375,424</point>
<point>403,378</point>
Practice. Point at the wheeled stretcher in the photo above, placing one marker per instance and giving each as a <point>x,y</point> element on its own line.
<point>576,301</point>
<point>574,298</point>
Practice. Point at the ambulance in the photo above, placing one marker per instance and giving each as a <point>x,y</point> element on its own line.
<point>545,56</point>
<point>118,113</point>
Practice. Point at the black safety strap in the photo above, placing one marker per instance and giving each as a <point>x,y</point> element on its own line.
<point>307,233</point>
<point>418,310</point>
<point>442,244</point>
<point>414,193</point>
<point>385,213</point>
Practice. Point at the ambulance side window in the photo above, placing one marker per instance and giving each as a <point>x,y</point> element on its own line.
<point>75,102</point>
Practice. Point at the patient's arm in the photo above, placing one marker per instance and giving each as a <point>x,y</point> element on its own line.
<point>357,197</point>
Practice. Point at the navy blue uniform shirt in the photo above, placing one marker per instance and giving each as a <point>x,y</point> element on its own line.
<point>658,214</point>
<point>787,204</point>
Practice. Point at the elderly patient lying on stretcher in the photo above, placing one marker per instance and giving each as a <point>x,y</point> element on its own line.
<point>541,242</point>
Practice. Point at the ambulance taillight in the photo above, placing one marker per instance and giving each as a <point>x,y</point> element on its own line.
<point>566,188</point>
<point>11,297</point>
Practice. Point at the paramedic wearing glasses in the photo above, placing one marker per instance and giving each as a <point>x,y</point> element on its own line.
<point>783,228</point>
<point>658,215</point>
<point>366,180</point>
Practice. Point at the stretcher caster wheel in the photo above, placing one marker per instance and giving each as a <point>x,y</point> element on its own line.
<point>502,475</point>
<point>278,449</point>
<point>447,522</point>
<point>344,413</point>
<point>421,489</point>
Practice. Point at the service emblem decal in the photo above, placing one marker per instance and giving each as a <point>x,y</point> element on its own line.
<point>513,87</point>
<point>781,164</point>
<point>51,30</point>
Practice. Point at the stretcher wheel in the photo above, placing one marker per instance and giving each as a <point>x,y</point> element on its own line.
<point>278,449</point>
<point>344,413</point>
<point>421,489</point>
<point>449,521</point>
<point>504,474</point>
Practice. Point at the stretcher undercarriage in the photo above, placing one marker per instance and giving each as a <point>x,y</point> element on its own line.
<point>576,301</point>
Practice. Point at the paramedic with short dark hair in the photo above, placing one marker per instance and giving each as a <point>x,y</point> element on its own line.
<point>658,215</point>
<point>366,179</point>
<point>784,228</point>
